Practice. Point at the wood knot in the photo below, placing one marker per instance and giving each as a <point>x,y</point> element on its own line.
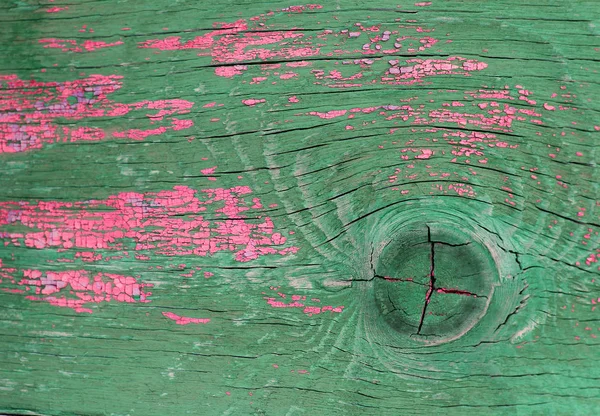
<point>433,282</point>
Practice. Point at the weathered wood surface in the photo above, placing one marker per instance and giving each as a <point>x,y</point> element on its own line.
<point>245,207</point>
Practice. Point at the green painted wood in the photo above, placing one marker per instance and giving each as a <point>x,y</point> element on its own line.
<point>233,208</point>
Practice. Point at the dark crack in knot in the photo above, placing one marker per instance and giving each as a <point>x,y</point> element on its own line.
<point>431,279</point>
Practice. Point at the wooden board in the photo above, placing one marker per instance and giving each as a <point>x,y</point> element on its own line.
<point>249,207</point>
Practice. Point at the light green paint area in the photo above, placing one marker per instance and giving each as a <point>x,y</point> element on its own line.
<point>440,216</point>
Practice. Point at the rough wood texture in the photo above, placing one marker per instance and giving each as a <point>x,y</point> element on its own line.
<point>246,207</point>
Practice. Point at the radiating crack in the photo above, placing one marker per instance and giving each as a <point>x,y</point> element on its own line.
<point>431,280</point>
<point>456,292</point>
<point>398,279</point>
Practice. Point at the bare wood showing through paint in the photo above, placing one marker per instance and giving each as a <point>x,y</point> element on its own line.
<point>269,208</point>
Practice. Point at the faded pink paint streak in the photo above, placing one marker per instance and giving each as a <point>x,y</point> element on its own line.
<point>233,42</point>
<point>69,45</point>
<point>329,114</point>
<point>301,9</point>
<point>166,223</point>
<point>300,302</point>
<point>28,110</point>
<point>184,320</point>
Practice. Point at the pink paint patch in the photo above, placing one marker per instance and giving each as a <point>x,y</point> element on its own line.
<point>549,107</point>
<point>425,154</point>
<point>184,320</point>
<point>472,65</point>
<point>76,288</point>
<point>230,71</point>
<point>56,9</point>
<point>288,75</point>
<point>177,124</point>
<point>258,80</point>
<point>252,101</point>
<point>209,171</point>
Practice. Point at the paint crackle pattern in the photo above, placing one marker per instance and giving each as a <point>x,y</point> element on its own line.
<point>166,224</point>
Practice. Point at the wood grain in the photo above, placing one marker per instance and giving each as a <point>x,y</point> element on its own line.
<point>265,208</point>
